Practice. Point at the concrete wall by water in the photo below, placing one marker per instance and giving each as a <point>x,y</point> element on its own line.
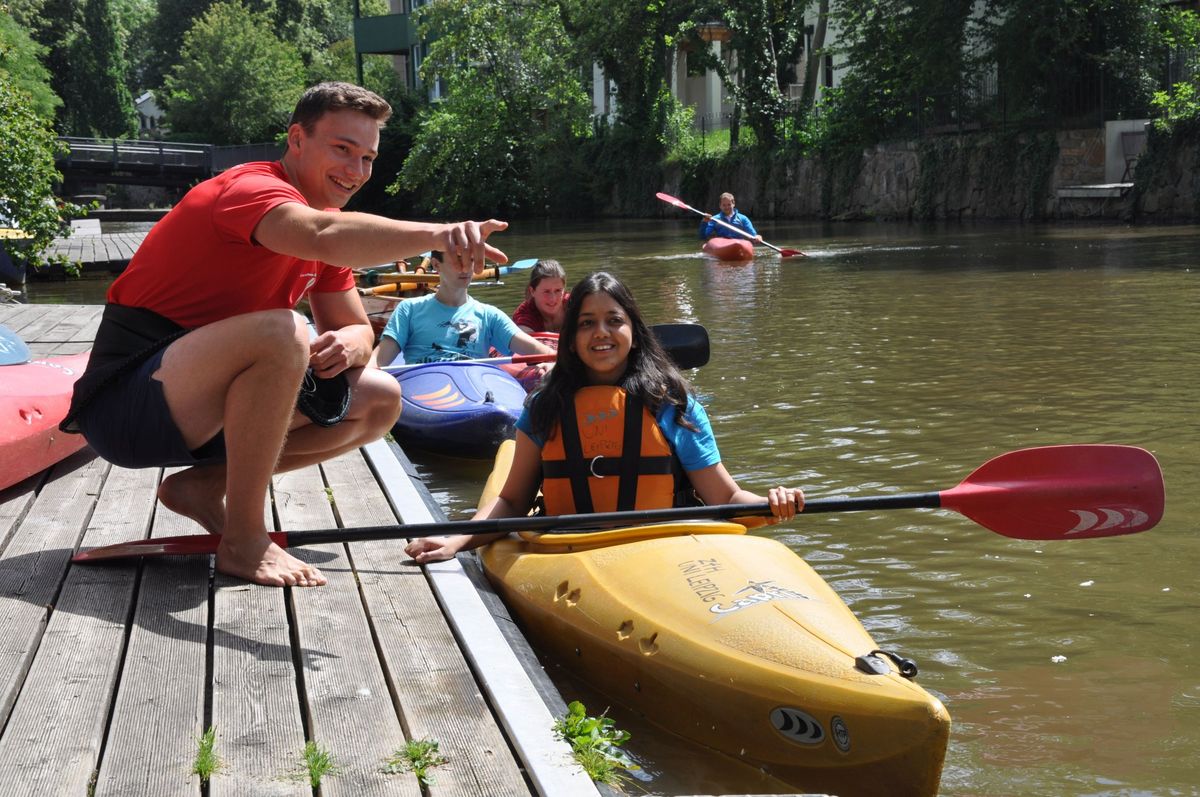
<point>977,176</point>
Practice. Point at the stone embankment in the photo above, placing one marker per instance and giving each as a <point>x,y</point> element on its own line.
<point>1039,176</point>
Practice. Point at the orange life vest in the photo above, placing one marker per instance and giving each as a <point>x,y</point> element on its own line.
<point>608,456</point>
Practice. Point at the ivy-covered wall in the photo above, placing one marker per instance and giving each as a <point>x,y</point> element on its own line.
<point>981,176</point>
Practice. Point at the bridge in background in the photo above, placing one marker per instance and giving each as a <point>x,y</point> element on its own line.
<point>161,163</point>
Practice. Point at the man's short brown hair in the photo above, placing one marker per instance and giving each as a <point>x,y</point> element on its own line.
<point>322,98</point>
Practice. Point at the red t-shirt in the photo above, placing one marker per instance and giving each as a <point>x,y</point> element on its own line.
<point>199,264</point>
<point>527,315</point>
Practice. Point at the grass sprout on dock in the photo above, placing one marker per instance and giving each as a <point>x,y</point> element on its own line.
<point>319,763</point>
<point>418,756</point>
<point>207,762</point>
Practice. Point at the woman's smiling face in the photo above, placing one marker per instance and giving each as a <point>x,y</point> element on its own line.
<point>603,339</point>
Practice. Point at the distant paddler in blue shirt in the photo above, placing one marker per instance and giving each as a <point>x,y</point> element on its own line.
<point>710,228</point>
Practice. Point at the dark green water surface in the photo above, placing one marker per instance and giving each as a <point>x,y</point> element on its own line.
<point>898,359</point>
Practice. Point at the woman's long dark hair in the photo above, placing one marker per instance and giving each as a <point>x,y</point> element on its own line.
<point>650,374</point>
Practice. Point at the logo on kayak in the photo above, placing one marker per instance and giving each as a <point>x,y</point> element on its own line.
<point>697,572</point>
<point>757,592</point>
<point>797,726</point>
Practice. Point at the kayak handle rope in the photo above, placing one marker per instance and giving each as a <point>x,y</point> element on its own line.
<point>871,665</point>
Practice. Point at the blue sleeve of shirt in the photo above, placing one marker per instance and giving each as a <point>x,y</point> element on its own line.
<point>696,450</point>
<point>745,224</point>
<point>398,325</point>
<point>706,229</point>
<point>525,424</point>
<point>500,329</point>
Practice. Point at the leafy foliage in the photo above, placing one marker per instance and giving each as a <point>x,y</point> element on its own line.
<point>1178,104</point>
<point>236,82</point>
<point>27,173</point>
<point>99,102</point>
<point>20,65</point>
<point>596,743</point>
<point>768,37</point>
<point>511,97</point>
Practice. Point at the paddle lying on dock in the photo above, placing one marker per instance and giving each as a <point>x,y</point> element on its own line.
<point>13,350</point>
<point>679,203</point>
<point>686,344</point>
<point>1049,493</point>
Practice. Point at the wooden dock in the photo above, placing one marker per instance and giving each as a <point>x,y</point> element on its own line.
<point>109,674</point>
<point>100,253</point>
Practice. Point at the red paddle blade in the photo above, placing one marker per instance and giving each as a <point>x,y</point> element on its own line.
<point>791,253</point>
<point>670,200</point>
<point>1063,492</point>
<point>186,545</point>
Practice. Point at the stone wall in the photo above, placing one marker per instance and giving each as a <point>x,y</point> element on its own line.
<point>978,176</point>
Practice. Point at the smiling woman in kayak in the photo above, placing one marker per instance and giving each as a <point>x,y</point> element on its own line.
<point>615,427</point>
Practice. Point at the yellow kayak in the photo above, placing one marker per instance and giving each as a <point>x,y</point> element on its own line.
<point>728,640</point>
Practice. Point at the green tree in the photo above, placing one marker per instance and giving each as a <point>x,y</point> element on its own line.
<point>133,20</point>
<point>236,82</point>
<point>768,37</point>
<point>1075,63</point>
<point>20,65</point>
<point>27,172</point>
<point>513,102</point>
<point>633,43</point>
<point>100,103</point>
<point>908,61</point>
<point>165,37</point>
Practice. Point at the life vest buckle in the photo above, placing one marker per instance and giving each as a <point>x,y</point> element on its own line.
<point>592,466</point>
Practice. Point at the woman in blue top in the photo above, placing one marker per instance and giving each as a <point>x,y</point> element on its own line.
<point>605,342</point>
<point>709,228</point>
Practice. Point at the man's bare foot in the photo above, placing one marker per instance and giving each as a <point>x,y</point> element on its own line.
<point>197,493</point>
<point>263,562</point>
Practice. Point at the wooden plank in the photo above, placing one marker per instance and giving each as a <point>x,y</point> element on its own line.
<point>16,316</point>
<point>349,708</point>
<point>255,702</point>
<point>434,685</point>
<point>510,690</point>
<point>159,711</point>
<point>51,745</point>
<point>73,323</point>
<point>37,330</point>
<point>34,564</point>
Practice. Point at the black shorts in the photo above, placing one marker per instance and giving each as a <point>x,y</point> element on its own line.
<point>129,424</point>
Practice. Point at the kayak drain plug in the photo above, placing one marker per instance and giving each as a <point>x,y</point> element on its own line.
<point>871,664</point>
<point>489,398</point>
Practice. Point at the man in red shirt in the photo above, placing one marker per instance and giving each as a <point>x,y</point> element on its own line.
<point>200,355</point>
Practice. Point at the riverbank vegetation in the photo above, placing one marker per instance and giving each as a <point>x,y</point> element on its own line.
<point>514,131</point>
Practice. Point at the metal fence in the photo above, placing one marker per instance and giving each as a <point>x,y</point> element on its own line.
<point>161,157</point>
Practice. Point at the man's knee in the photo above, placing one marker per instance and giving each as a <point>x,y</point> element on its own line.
<point>283,335</point>
<point>379,394</point>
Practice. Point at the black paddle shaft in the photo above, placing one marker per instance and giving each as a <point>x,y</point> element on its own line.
<point>600,521</point>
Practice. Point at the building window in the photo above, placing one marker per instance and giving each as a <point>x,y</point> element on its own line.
<point>829,71</point>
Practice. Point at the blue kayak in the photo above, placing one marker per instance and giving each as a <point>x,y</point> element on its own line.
<point>461,409</point>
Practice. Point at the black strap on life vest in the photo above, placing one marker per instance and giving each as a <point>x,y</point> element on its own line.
<point>575,464</point>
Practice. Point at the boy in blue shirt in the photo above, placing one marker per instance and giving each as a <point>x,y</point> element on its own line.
<point>450,325</point>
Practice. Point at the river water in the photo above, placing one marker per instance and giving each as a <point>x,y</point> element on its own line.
<point>898,358</point>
